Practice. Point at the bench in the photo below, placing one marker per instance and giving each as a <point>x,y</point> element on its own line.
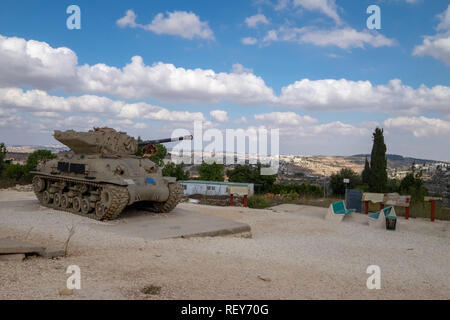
<point>337,211</point>
<point>378,219</point>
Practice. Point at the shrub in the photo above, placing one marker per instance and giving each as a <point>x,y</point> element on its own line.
<point>258,202</point>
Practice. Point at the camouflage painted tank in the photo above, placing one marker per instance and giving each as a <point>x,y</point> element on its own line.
<point>102,175</point>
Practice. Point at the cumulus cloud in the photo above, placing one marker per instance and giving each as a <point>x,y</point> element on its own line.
<point>219,115</point>
<point>38,65</point>
<point>38,101</point>
<point>292,124</point>
<point>419,126</point>
<point>178,23</point>
<point>255,20</point>
<point>43,67</point>
<point>343,95</point>
<point>438,45</point>
<point>344,38</point>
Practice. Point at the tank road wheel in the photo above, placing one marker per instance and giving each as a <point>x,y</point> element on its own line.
<point>113,199</point>
<point>57,200</point>
<point>85,206</point>
<point>38,184</point>
<point>64,202</point>
<point>46,198</point>
<point>76,203</point>
<point>175,195</point>
<point>99,210</point>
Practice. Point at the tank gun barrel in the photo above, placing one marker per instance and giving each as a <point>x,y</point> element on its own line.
<point>147,142</point>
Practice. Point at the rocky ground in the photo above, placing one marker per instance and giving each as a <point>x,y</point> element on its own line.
<point>293,254</point>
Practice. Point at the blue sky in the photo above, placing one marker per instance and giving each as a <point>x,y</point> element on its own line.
<point>310,68</point>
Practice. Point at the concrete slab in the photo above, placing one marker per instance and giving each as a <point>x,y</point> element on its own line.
<point>9,246</point>
<point>179,223</point>
<point>12,257</point>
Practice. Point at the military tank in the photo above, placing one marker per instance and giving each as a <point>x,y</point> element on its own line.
<point>102,175</point>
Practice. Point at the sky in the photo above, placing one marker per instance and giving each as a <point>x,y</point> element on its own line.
<point>310,68</point>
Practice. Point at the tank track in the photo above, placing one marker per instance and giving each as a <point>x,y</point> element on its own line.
<point>93,193</point>
<point>175,195</point>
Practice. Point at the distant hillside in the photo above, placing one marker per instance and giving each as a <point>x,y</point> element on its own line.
<point>396,157</point>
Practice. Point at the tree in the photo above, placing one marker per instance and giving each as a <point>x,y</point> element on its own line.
<point>412,184</point>
<point>378,163</point>
<point>211,172</point>
<point>337,181</point>
<point>365,175</point>
<point>161,153</point>
<point>175,170</point>
<point>249,174</point>
<point>2,156</point>
<point>36,156</point>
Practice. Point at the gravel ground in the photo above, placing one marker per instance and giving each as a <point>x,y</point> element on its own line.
<point>293,254</point>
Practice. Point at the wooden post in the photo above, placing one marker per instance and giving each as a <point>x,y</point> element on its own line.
<point>231,199</point>
<point>366,207</point>
<point>433,200</point>
<point>433,210</point>
<point>245,201</point>
<point>381,206</point>
<point>406,213</point>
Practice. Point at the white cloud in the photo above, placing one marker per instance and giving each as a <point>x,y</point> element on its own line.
<point>327,7</point>
<point>36,64</point>
<point>219,115</point>
<point>255,20</point>
<point>285,118</point>
<point>271,36</point>
<point>45,105</point>
<point>292,124</point>
<point>344,38</point>
<point>343,95</point>
<point>419,126</point>
<point>438,45</point>
<point>239,69</point>
<point>444,17</point>
<point>178,23</point>
<point>249,41</point>
<point>129,20</point>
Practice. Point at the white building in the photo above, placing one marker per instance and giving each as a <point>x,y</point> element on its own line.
<point>212,188</point>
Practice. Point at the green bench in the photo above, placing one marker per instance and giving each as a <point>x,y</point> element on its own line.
<point>337,211</point>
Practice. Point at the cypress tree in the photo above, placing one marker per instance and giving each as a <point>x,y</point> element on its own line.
<point>378,163</point>
<point>365,175</point>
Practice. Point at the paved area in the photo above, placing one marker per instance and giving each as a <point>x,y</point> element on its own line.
<point>293,254</point>
<point>10,246</point>
<point>180,223</point>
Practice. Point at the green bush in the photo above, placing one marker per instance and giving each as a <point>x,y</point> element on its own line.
<point>257,202</point>
<point>298,189</point>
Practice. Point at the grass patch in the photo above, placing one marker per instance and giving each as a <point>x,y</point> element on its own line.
<point>258,202</point>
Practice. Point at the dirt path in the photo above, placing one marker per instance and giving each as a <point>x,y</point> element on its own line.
<point>293,254</point>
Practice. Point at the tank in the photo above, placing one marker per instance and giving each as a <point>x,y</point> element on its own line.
<point>102,175</point>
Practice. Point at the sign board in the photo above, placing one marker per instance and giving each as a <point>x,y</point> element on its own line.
<point>373,197</point>
<point>238,190</point>
<point>346,180</point>
<point>394,199</point>
<point>353,199</point>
